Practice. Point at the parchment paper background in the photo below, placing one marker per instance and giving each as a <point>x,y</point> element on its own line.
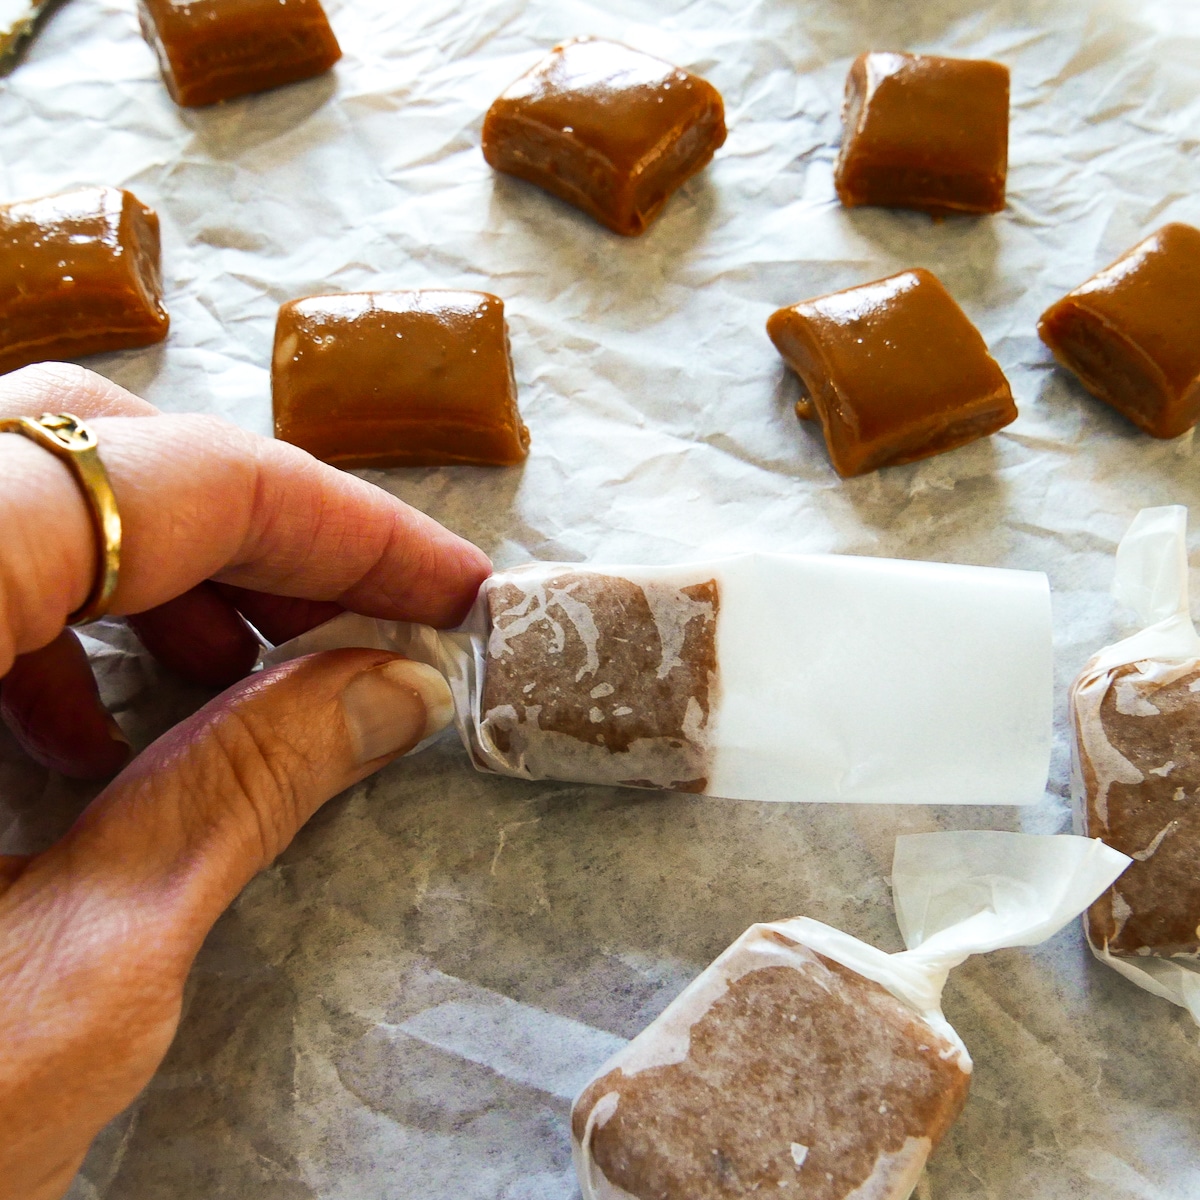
<point>404,1005</point>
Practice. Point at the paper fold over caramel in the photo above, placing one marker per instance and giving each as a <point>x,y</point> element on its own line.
<point>1151,578</point>
<point>955,894</point>
<point>837,678</point>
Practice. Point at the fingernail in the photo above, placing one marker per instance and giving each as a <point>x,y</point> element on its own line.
<point>390,709</point>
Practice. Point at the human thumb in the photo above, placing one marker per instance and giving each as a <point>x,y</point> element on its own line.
<point>98,933</point>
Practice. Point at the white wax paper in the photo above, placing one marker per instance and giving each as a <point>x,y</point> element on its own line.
<point>840,678</point>
<point>956,893</point>
<point>397,1007</point>
<point>1151,577</point>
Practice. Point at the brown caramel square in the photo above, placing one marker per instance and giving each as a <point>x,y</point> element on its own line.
<point>397,379</point>
<point>79,274</point>
<point>924,132</point>
<point>211,50</point>
<point>1137,743</point>
<point>599,679</point>
<point>894,370</point>
<point>606,128</point>
<point>1132,332</point>
<point>807,1080</point>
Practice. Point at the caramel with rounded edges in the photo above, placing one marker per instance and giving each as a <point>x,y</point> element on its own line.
<point>212,50</point>
<point>610,130</point>
<point>924,132</point>
<point>895,371</point>
<point>79,274</point>
<point>1131,333</point>
<point>397,379</point>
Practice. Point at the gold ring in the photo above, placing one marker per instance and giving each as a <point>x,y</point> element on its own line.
<point>72,442</point>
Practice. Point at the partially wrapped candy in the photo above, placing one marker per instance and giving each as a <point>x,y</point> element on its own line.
<point>805,1063</point>
<point>1136,780</point>
<point>760,677</point>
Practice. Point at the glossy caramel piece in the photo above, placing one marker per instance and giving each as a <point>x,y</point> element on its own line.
<point>1132,332</point>
<point>397,379</point>
<point>606,128</point>
<point>79,274</point>
<point>894,370</point>
<point>212,50</point>
<point>924,132</point>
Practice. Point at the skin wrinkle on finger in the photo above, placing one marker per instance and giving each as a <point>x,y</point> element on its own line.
<point>98,933</point>
<point>56,386</point>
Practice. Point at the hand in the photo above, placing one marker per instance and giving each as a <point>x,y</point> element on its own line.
<point>98,933</point>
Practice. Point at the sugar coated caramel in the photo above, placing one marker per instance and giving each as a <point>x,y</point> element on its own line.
<point>1132,332</point>
<point>894,370</point>
<point>385,379</point>
<point>1137,731</point>
<point>778,1072</point>
<point>597,678</point>
<point>212,50</point>
<point>79,274</point>
<point>608,129</point>
<point>924,132</point>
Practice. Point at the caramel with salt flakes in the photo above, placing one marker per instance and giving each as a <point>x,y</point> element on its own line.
<point>79,274</point>
<point>924,132</point>
<point>1131,333</point>
<point>895,371</point>
<point>397,379</point>
<point>212,50</point>
<point>610,130</point>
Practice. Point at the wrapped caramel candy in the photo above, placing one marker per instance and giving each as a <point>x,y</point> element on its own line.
<point>79,274</point>
<point>606,128</point>
<point>806,1063</point>
<point>1131,333</point>
<point>212,50</point>
<point>1135,709</point>
<point>760,677</point>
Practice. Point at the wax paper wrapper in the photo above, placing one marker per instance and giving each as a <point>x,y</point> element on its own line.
<point>806,1062</point>
<point>751,677</point>
<point>1135,778</point>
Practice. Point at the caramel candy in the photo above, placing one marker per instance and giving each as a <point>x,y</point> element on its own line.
<point>1132,332</point>
<point>211,50</point>
<point>924,132</point>
<point>1137,731</point>
<point>79,274</point>
<point>801,1079</point>
<point>894,370</point>
<point>606,128</point>
<point>397,379</point>
<point>594,677</point>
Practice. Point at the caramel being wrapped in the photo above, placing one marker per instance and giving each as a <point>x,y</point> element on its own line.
<point>806,1063</point>
<point>212,50</point>
<point>79,274</point>
<point>609,129</point>
<point>1135,709</point>
<point>758,677</point>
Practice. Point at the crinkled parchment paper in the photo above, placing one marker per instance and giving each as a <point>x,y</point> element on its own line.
<point>404,1005</point>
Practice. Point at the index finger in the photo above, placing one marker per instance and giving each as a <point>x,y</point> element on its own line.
<point>201,498</point>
